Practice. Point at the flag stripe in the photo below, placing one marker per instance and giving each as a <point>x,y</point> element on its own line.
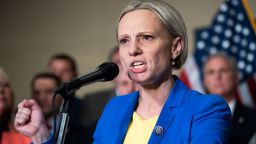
<point>184,78</point>
<point>193,74</point>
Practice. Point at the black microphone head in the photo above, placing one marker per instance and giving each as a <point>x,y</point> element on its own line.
<point>110,70</point>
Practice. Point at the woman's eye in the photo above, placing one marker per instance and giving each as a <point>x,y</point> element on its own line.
<point>123,41</point>
<point>147,37</point>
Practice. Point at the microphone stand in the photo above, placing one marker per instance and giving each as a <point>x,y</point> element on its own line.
<point>65,115</point>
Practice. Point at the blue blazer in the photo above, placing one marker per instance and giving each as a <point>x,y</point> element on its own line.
<point>188,117</point>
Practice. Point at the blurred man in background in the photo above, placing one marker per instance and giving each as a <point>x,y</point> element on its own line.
<point>220,77</point>
<point>64,66</point>
<point>43,86</point>
<point>7,133</point>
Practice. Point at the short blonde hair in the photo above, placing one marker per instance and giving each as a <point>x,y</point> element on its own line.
<point>6,80</point>
<point>3,74</point>
<point>171,19</point>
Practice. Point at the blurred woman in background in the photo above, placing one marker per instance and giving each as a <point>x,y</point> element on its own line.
<point>7,133</point>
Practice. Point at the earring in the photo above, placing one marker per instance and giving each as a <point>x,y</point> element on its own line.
<point>173,63</point>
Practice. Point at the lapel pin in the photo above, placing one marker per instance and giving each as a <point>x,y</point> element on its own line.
<point>159,130</point>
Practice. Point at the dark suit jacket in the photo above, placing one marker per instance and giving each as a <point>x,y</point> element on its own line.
<point>92,106</point>
<point>76,132</point>
<point>244,125</point>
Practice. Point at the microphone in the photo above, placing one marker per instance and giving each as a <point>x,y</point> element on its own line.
<point>107,71</point>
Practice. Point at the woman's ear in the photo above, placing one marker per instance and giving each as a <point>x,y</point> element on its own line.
<point>177,47</point>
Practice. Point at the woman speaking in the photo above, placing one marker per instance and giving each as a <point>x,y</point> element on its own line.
<point>152,42</point>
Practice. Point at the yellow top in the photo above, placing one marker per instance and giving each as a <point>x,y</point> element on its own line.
<point>139,130</point>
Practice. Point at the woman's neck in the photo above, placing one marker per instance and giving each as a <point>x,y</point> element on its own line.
<point>152,100</point>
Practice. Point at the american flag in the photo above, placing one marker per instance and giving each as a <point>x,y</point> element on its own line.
<point>232,31</point>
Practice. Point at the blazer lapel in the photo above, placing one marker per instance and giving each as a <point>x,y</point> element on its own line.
<point>167,114</point>
<point>127,116</point>
<point>163,123</point>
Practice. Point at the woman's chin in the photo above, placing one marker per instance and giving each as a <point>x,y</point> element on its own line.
<point>138,78</point>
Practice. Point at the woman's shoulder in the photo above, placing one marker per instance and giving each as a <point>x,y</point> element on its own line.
<point>206,101</point>
<point>199,97</point>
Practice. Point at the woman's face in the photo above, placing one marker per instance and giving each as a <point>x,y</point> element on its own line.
<point>145,47</point>
<point>6,96</point>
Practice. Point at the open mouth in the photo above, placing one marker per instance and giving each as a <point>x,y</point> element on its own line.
<point>138,67</point>
<point>138,64</point>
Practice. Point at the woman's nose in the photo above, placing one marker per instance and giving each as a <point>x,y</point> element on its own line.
<point>135,48</point>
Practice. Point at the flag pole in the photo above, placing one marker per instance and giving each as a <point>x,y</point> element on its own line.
<point>249,14</point>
